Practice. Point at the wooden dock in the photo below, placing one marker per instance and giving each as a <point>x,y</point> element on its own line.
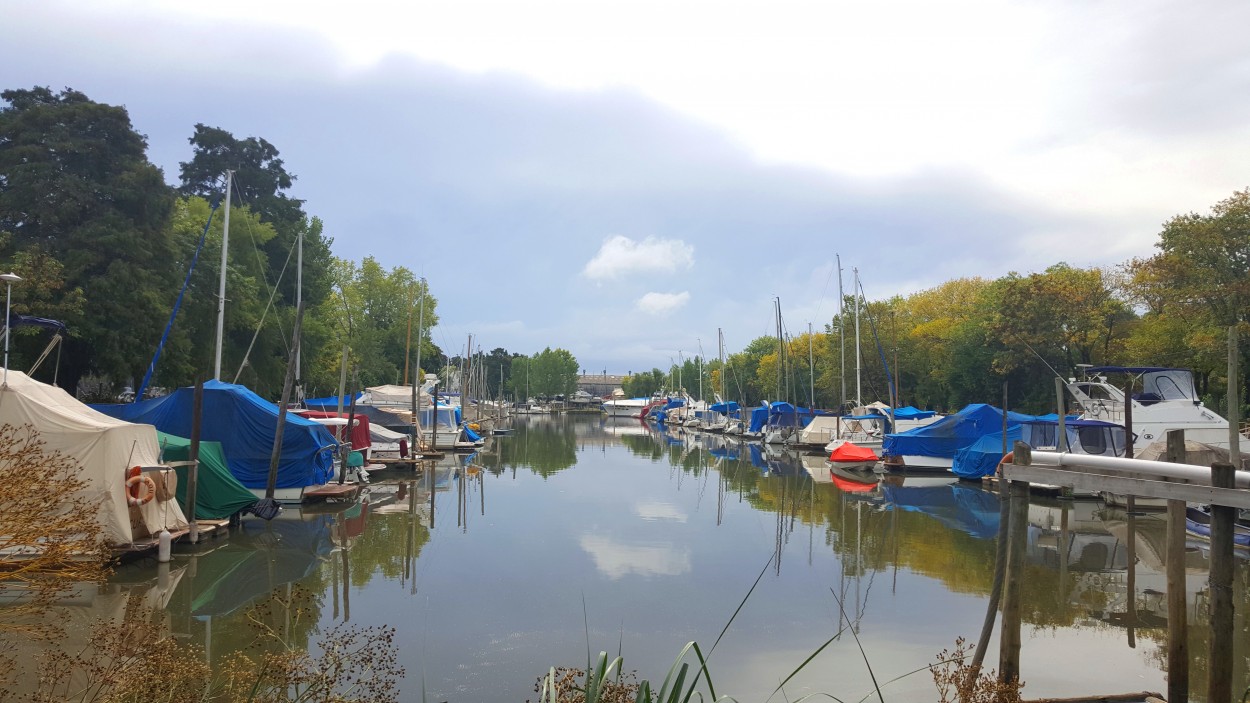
<point>332,491</point>
<point>396,462</point>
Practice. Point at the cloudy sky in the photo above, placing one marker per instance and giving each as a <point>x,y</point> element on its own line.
<point>623,178</point>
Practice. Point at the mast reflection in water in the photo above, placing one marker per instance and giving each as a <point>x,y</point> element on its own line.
<point>494,567</point>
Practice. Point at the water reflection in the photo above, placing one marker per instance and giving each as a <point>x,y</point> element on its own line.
<point>484,563</point>
<point>615,559</point>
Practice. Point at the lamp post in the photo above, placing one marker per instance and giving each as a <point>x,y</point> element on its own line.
<point>9,279</point>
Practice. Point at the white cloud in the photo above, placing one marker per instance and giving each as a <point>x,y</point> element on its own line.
<point>621,255</point>
<point>663,303</point>
<point>616,560</point>
<point>654,510</point>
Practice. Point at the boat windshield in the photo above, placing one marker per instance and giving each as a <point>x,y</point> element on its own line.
<point>1169,384</point>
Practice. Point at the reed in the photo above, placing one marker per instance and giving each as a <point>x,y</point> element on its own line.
<point>603,679</point>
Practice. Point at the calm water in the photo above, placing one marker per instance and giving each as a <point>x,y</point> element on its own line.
<point>494,567</point>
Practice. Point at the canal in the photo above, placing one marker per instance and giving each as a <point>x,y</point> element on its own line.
<point>576,533</point>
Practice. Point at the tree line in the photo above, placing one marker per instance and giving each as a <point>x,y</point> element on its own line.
<point>959,342</point>
<point>103,244</point>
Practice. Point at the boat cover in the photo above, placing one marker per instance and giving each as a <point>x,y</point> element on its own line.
<point>947,436</point>
<point>218,494</point>
<point>849,453</point>
<point>982,456</point>
<point>377,416</point>
<point>783,414</point>
<point>361,436</point>
<point>725,407</point>
<point>104,447</point>
<point>907,412</point>
<point>245,424</point>
<point>759,418</point>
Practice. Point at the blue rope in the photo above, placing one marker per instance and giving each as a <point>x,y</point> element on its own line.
<point>177,303</point>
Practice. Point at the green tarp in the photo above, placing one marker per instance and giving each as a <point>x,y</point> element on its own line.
<point>218,494</point>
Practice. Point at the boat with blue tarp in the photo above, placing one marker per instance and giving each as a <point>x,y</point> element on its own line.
<point>245,424</point>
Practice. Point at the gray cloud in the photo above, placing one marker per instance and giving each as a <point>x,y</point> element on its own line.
<point>499,191</point>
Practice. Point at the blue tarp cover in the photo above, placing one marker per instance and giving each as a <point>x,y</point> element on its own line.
<point>783,414</point>
<point>759,418</point>
<point>331,401</point>
<point>245,425</point>
<point>947,436</point>
<point>907,412</point>
<point>724,408</point>
<point>982,456</point>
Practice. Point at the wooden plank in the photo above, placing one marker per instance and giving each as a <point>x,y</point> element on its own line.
<point>1086,481</point>
<point>1220,578</point>
<point>1142,697</point>
<point>332,490</point>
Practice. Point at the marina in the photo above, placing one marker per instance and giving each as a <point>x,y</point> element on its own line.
<point>483,561</point>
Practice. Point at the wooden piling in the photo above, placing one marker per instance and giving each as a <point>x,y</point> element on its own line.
<point>1220,654</point>
<point>1178,627</point>
<point>1017,535</point>
<point>193,456</point>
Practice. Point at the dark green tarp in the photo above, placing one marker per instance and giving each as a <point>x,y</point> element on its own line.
<point>218,494</point>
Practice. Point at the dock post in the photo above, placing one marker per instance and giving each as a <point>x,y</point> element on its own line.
<point>1220,654</point>
<point>1017,534</point>
<point>193,456</point>
<point>1178,626</point>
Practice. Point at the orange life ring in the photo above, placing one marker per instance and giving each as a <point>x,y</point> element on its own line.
<point>133,471</point>
<point>1008,458</point>
<point>140,489</point>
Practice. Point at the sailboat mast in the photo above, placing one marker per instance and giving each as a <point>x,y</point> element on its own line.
<point>720,342</point>
<point>780,346</point>
<point>221,288</point>
<point>811,366</point>
<point>858,390</point>
<point>841,335</point>
<point>416,373</point>
<point>299,301</point>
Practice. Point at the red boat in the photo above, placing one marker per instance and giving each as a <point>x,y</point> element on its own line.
<point>848,455</point>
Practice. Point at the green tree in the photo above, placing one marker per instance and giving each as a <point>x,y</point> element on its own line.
<point>644,384</point>
<point>371,314</point>
<point>260,183</point>
<point>1196,286</point>
<point>76,188</point>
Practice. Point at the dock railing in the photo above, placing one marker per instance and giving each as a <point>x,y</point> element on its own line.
<point>1219,485</point>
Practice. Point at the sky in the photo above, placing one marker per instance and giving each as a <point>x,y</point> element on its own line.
<point>624,179</point>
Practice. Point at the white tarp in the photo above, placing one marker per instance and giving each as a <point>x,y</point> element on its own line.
<point>387,395</point>
<point>104,447</point>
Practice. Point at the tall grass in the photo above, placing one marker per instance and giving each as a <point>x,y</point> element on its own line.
<point>604,681</point>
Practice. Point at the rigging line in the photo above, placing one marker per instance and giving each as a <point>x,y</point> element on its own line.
<point>260,264</point>
<point>259,325</point>
<point>147,376</point>
<point>1039,356</point>
<point>889,380</point>
<point>824,291</point>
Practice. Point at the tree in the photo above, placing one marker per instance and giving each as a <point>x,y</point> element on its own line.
<point>644,384</point>
<point>1196,286</point>
<point>260,184</point>
<point>371,314</point>
<point>76,188</point>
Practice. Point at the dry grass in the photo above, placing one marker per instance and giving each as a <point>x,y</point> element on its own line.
<point>49,531</point>
<point>136,662</point>
<point>957,682</point>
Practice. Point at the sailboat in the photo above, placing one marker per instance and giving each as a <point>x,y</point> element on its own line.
<point>247,425</point>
